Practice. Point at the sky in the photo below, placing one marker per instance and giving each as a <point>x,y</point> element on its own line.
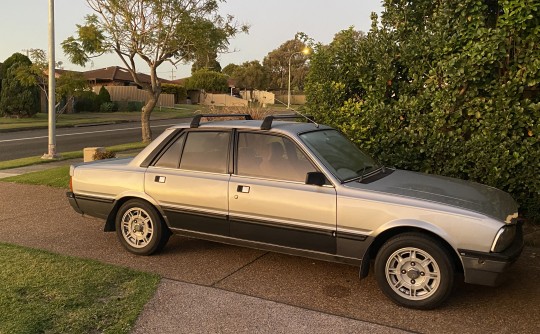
<point>24,25</point>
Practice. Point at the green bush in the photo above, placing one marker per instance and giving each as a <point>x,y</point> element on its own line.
<point>108,107</point>
<point>130,106</point>
<point>87,102</point>
<point>102,155</point>
<point>449,88</point>
<point>179,92</point>
<point>104,95</point>
<point>16,99</point>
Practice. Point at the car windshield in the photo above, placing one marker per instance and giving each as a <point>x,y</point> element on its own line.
<point>346,161</point>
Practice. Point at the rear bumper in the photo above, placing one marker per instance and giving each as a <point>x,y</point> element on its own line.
<point>73,202</point>
<point>491,268</point>
<point>92,206</point>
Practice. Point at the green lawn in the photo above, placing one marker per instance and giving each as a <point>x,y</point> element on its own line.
<point>48,293</point>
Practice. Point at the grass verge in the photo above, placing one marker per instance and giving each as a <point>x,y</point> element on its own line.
<point>54,177</point>
<point>41,121</point>
<point>65,156</point>
<point>48,293</point>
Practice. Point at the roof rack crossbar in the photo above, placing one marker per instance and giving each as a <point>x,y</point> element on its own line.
<point>267,122</point>
<point>196,121</point>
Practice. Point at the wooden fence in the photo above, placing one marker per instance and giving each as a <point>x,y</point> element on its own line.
<point>132,93</point>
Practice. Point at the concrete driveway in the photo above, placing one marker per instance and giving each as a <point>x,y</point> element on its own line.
<point>221,288</point>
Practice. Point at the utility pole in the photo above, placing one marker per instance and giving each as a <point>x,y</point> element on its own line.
<point>172,74</point>
<point>51,154</point>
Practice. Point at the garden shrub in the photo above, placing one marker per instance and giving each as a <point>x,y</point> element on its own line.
<point>179,92</point>
<point>108,107</point>
<point>102,155</point>
<point>130,106</point>
<point>87,102</point>
<point>450,88</point>
<point>104,95</point>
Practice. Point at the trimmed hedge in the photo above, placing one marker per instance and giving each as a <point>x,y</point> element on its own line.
<point>450,88</point>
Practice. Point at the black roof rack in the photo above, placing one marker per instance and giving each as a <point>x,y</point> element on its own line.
<point>196,121</point>
<point>267,122</point>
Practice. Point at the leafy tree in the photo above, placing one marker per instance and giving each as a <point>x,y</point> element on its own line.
<point>154,31</point>
<point>16,58</point>
<point>68,85</point>
<point>250,75</point>
<point>229,69</point>
<point>209,81</point>
<point>276,64</point>
<point>206,60</point>
<point>1,75</point>
<point>16,100</point>
<point>443,87</point>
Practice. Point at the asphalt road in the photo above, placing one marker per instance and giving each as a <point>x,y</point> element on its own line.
<point>321,287</point>
<point>23,144</point>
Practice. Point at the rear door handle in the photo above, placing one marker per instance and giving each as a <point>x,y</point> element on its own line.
<point>242,189</point>
<point>160,179</point>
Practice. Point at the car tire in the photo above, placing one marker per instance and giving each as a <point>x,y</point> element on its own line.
<point>140,228</point>
<point>414,271</point>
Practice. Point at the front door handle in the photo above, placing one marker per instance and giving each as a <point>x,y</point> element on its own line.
<point>242,189</point>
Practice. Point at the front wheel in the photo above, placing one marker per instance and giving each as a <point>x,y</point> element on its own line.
<point>414,271</point>
<point>140,228</point>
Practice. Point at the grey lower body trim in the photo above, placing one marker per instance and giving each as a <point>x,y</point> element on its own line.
<point>197,221</point>
<point>292,236</point>
<point>268,247</point>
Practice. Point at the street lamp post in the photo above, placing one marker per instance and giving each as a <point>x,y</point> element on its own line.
<point>51,154</point>
<point>305,51</point>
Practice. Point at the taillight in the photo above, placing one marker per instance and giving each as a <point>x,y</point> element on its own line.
<point>71,183</point>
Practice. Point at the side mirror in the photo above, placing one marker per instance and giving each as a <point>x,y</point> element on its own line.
<point>315,178</point>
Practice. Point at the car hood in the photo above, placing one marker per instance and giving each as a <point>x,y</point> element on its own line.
<point>467,195</point>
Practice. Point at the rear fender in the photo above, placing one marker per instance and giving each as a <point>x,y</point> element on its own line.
<point>123,198</point>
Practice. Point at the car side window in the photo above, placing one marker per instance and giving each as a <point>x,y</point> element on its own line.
<point>171,157</point>
<point>206,151</point>
<point>272,157</point>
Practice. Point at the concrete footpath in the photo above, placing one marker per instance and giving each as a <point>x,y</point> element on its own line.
<point>179,307</point>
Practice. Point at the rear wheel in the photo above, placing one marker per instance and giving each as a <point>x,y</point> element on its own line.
<point>414,271</point>
<point>140,228</point>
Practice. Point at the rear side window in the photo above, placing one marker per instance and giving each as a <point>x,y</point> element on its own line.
<point>171,157</point>
<point>206,152</point>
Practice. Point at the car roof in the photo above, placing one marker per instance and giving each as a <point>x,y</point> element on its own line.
<point>276,126</point>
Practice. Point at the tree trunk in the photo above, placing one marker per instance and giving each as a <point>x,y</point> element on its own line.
<point>145,118</point>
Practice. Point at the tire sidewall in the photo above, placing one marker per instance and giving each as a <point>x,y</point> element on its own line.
<point>157,235</point>
<point>428,245</point>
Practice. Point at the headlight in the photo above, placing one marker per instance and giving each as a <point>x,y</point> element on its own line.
<point>504,238</point>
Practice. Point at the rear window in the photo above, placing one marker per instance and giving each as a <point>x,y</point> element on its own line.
<point>206,152</point>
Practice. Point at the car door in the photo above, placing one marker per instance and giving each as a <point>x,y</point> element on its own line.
<point>189,180</point>
<point>269,201</point>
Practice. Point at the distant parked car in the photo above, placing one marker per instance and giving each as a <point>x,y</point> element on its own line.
<point>304,189</point>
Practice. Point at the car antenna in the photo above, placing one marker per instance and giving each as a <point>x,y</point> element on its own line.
<point>299,113</point>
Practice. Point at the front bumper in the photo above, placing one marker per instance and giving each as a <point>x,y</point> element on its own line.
<point>491,268</point>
